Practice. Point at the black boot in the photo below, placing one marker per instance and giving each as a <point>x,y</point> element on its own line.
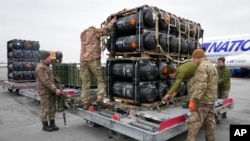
<point>53,126</point>
<point>46,127</point>
<point>224,115</point>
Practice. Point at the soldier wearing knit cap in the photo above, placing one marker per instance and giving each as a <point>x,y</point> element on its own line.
<point>203,96</point>
<point>171,69</point>
<point>44,55</point>
<point>90,58</point>
<point>198,54</point>
<point>183,72</point>
<point>47,90</point>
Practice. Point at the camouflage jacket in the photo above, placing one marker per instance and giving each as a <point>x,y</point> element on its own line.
<point>90,43</point>
<point>44,79</point>
<point>183,72</point>
<point>224,78</point>
<point>205,85</point>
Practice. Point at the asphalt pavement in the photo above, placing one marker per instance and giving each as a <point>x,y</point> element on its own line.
<point>19,119</point>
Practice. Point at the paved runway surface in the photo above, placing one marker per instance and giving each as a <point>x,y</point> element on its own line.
<point>19,119</point>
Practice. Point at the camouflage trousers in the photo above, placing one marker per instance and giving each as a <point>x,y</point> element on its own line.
<point>203,115</point>
<point>86,70</point>
<point>223,94</point>
<point>48,109</point>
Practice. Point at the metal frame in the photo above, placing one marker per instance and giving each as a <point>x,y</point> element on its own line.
<point>17,86</point>
<point>124,127</point>
<point>132,126</point>
<point>30,94</point>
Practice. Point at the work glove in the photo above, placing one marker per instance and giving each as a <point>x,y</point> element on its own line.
<point>191,106</point>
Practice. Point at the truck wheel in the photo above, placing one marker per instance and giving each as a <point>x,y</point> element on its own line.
<point>10,90</point>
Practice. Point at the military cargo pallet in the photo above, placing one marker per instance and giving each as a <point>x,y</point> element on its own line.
<point>21,81</point>
<point>22,59</point>
<point>125,102</point>
<point>148,54</point>
<point>129,103</point>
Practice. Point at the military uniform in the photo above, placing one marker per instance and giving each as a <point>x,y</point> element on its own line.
<point>183,72</point>
<point>46,90</point>
<point>224,82</point>
<point>90,62</point>
<point>204,95</point>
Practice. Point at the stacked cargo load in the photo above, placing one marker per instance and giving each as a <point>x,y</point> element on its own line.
<point>143,43</point>
<point>22,56</point>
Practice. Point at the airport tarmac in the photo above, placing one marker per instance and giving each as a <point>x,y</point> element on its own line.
<point>19,119</point>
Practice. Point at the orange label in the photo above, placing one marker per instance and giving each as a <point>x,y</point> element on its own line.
<point>165,70</point>
<point>132,21</point>
<point>133,44</point>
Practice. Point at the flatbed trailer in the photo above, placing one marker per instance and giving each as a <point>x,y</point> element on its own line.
<point>16,86</point>
<point>146,125</point>
<point>157,123</point>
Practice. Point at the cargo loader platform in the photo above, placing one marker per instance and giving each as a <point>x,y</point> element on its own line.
<point>157,124</point>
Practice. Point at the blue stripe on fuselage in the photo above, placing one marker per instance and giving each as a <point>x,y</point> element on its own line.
<point>228,46</point>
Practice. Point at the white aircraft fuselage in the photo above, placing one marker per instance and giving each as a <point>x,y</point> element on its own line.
<point>235,49</point>
<point>226,46</point>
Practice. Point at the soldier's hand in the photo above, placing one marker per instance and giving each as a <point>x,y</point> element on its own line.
<point>166,98</point>
<point>114,20</point>
<point>173,95</point>
<point>58,92</point>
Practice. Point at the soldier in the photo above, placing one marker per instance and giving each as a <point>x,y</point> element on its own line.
<point>90,59</point>
<point>183,72</point>
<point>47,90</point>
<point>224,81</point>
<point>203,97</point>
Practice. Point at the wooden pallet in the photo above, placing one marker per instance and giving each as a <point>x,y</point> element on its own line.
<point>146,54</point>
<point>21,81</point>
<point>130,103</point>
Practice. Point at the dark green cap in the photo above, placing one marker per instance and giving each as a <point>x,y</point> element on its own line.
<point>44,55</point>
<point>92,27</point>
<point>171,69</point>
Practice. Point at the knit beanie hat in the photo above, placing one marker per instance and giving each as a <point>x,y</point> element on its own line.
<point>44,55</point>
<point>171,69</point>
<point>198,53</point>
<point>92,27</point>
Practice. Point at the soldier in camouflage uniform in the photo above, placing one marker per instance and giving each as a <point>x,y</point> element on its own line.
<point>46,90</point>
<point>224,79</point>
<point>90,59</point>
<point>203,97</point>
<point>183,72</point>
<point>224,82</point>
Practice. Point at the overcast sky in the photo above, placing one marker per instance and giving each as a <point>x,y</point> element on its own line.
<point>57,24</point>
